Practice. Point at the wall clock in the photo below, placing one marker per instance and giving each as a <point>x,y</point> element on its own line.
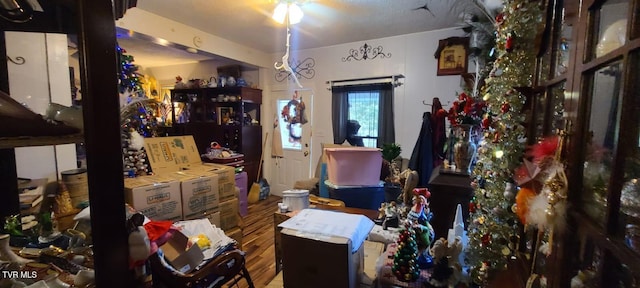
<point>197,41</point>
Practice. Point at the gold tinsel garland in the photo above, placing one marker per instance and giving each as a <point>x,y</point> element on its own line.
<point>493,228</point>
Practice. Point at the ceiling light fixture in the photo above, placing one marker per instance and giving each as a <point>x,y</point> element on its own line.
<point>287,8</point>
<point>292,14</point>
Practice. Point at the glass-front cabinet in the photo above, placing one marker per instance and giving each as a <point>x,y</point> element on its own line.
<point>53,48</point>
<point>593,95</point>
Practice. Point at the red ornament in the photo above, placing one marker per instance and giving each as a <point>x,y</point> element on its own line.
<point>486,239</point>
<point>499,18</point>
<point>472,207</point>
<point>486,122</point>
<point>505,107</point>
<point>509,44</point>
<point>496,137</point>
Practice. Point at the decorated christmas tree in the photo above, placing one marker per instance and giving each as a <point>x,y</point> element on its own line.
<point>137,117</point>
<point>493,227</point>
<point>129,79</point>
<point>138,120</point>
<point>405,264</point>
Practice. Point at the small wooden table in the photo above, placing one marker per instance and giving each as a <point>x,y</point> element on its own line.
<point>279,217</point>
<point>447,191</point>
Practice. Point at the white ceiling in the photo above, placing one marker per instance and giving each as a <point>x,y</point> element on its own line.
<point>325,22</point>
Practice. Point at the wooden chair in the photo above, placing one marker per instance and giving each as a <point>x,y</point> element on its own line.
<point>228,267</point>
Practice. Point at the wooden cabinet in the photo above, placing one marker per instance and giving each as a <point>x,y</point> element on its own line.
<point>227,115</point>
<point>605,151</point>
<point>447,191</point>
<point>589,71</point>
<point>92,22</point>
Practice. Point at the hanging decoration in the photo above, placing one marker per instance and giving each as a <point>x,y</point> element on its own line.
<point>302,68</point>
<point>366,52</point>
<point>284,65</point>
<point>546,205</point>
<point>493,227</point>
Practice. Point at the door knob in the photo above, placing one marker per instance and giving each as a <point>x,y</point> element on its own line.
<point>306,153</point>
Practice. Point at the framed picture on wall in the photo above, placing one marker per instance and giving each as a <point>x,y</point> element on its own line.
<point>453,56</point>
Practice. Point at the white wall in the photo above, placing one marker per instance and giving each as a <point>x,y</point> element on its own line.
<point>411,56</point>
<point>43,78</point>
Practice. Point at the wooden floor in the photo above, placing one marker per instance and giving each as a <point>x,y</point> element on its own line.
<point>257,242</point>
<point>260,251</point>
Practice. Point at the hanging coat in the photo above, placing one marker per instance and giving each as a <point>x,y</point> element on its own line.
<point>422,156</point>
<point>439,136</point>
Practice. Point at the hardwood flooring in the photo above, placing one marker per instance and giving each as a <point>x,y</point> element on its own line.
<point>257,242</point>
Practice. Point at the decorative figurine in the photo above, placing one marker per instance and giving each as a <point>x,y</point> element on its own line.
<point>381,213</point>
<point>419,217</point>
<point>179,83</point>
<point>391,218</point>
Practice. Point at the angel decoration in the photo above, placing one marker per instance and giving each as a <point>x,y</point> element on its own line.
<point>543,186</point>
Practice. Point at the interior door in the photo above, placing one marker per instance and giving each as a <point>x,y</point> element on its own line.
<point>293,113</point>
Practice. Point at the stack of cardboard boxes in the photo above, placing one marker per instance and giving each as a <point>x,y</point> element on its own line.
<point>183,188</point>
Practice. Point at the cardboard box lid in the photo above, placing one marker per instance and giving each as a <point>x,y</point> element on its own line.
<point>170,154</point>
<point>130,183</point>
<point>176,252</point>
<point>327,225</point>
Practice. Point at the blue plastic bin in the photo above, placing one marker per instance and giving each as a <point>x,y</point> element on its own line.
<point>364,197</point>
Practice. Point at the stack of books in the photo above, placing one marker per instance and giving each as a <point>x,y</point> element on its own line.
<point>31,195</point>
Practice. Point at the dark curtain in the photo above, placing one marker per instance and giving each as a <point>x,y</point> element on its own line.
<point>422,156</point>
<point>340,111</point>
<point>340,114</point>
<point>386,129</point>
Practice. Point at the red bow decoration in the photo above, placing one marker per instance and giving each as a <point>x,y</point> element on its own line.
<point>422,192</point>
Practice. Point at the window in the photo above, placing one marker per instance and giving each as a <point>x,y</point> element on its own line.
<point>363,114</point>
<point>363,119</point>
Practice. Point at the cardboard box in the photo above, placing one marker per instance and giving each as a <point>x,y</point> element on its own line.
<point>199,194</point>
<point>171,154</point>
<point>236,234</point>
<point>226,179</point>
<point>156,197</point>
<point>372,251</point>
<point>176,252</point>
<point>323,262</point>
<point>323,248</point>
<point>214,218</point>
<point>229,216</point>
